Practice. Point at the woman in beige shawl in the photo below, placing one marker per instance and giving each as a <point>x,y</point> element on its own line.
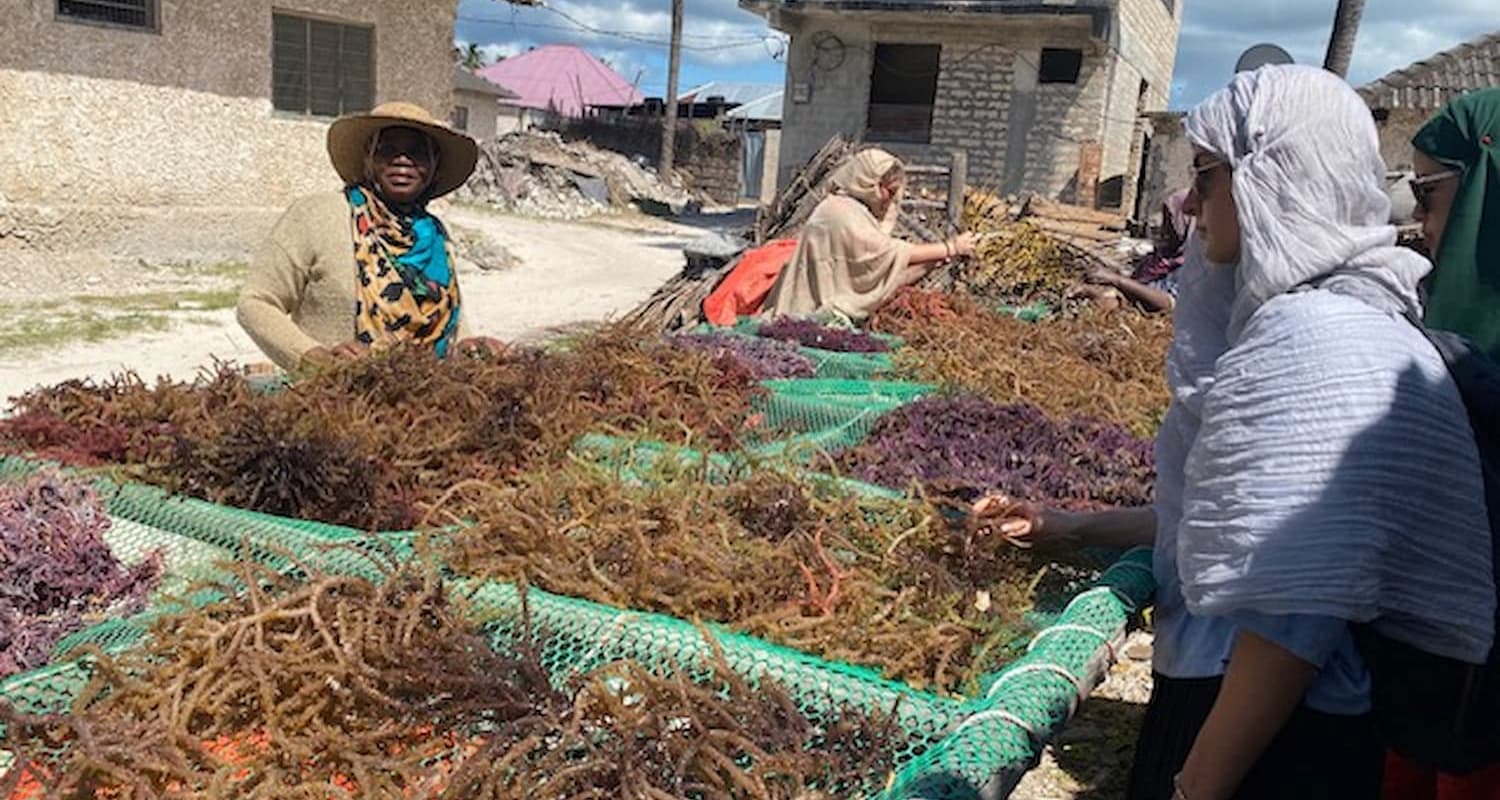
<point>847,262</point>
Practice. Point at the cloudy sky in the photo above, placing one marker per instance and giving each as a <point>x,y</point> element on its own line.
<point>722,42</point>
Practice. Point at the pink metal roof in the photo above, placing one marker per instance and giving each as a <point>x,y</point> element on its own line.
<point>563,76</point>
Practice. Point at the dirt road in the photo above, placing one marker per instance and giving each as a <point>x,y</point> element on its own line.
<point>569,273</point>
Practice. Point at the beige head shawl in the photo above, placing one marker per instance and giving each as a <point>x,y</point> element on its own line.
<point>847,262</point>
<point>860,179</point>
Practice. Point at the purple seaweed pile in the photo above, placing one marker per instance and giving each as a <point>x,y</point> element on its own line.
<point>766,359</point>
<point>57,573</point>
<point>964,446</point>
<point>811,334</point>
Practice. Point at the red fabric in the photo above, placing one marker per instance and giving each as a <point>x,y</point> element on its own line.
<point>749,283</point>
<point>1408,780</point>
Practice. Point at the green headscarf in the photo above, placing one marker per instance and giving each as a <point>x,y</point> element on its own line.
<point>1465,290</point>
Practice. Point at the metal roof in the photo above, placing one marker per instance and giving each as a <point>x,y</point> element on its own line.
<point>734,94</point>
<point>766,109</point>
<point>1429,84</point>
<point>561,76</point>
<point>467,81</point>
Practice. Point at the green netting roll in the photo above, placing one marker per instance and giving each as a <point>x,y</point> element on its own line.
<point>813,414</point>
<point>1025,704</point>
<point>850,390</point>
<point>575,637</point>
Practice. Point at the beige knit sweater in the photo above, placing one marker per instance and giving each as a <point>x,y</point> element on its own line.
<point>300,291</point>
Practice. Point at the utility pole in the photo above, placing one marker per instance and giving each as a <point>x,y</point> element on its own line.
<point>1345,31</point>
<point>669,125</point>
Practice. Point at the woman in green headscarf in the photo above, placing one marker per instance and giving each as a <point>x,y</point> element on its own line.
<point>1457,186</point>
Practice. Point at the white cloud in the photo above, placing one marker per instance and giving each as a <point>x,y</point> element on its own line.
<point>715,32</point>
<point>1391,36</point>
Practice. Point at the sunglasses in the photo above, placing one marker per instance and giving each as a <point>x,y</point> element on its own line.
<point>419,151</point>
<point>1201,173</point>
<point>1423,187</point>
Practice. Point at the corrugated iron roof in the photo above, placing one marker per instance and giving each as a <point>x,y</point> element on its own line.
<point>766,109</point>
<point>734,94</point>
<point>1429,84</point>
<point>561,76</point>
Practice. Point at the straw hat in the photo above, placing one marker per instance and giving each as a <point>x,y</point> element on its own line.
<point>349,143</point>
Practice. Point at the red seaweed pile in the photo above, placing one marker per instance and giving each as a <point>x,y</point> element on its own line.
<point>57,573</point>
<point>766,359</point>
<point>344,687</point>
<point>374,443</point>
<point>887,584</point>
<point>965,446</point>
<point>822,337</point>
<point>1106,365</point>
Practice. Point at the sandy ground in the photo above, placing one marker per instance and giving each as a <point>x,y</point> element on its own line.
<point>569,273</point>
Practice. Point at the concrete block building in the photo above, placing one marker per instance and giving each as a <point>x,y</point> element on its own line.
<point>137,126</point>
<point>1045,96</point>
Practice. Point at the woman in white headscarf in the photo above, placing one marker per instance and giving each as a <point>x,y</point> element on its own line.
<point>1315,469</point>
<point>847,262</point>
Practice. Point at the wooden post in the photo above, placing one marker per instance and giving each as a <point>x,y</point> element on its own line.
<point>669,125</point>
<point>1090,162</point>
<point>958,183</point>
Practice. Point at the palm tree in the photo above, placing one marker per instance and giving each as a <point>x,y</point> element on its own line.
<point>472,58</point>
<point>1345,31</point>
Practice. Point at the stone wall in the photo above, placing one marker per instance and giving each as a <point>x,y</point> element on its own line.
<point>707,153</point>
<point>177,124</point>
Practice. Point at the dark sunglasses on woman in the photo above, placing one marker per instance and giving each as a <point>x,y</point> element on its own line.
<point>1423,186</point>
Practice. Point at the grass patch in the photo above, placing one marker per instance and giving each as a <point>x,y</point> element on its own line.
<point>162,301</point>
<point>79,326</point>
<point>88,318</point>
<point>229,270</point>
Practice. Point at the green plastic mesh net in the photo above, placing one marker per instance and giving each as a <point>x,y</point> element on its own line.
<point>960,748</point>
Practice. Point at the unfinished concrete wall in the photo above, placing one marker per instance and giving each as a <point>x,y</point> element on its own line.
<point>1396,130</point>
<point>178,123</point>
<point>768,184</point>
<point>1148,55</point>
<point>1169,165</point>
<point>972,112</point>
<point>1021,133</point>
<point>826,95</point>
<point>1068,117</point>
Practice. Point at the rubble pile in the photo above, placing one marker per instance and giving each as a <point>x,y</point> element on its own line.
<point>538,174</point>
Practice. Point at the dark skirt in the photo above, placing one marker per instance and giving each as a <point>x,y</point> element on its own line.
<point>1316,756</point>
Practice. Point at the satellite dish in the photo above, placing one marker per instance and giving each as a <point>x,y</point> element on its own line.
<point>1261,55</point>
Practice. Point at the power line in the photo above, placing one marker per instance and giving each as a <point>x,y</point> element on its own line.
<point>580,26</point>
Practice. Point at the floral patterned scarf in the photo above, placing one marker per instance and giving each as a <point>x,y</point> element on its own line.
<point>406,291</point>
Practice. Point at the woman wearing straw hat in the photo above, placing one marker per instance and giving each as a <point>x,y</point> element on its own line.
<point>367,268</point>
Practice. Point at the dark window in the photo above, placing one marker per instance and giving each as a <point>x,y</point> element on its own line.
<point>321,68</point>
<point>1171,6</point>
<point>903,89</point>
<point>125,13</point>
<point>1060,66</point>
<point>460,118</point>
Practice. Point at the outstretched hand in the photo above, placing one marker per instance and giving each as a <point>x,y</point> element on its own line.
<point>1023,524</point>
